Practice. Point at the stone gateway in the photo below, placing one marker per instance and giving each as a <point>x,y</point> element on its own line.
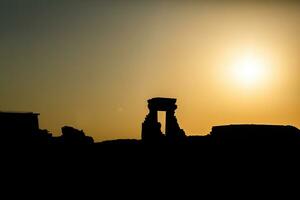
<point>151,128</point>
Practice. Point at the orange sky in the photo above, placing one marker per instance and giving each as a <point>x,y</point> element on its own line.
<point>93,65</point>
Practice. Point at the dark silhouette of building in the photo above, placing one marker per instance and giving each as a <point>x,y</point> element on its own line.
<point>19,122</point>
<point>23,129</point>
<point>253,134</point>
<point>151,128</point>
<point>17,127</point>
<point>72,136</point>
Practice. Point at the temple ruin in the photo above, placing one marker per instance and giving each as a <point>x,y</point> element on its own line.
<point>151,128</point>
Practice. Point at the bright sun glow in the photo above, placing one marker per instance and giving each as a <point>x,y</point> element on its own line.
<point>250,70</point>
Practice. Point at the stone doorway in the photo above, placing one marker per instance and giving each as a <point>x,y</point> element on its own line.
<point>161,118</point>
<point>151,127</point>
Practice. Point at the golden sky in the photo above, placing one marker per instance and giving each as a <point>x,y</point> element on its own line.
<point>93,64</point>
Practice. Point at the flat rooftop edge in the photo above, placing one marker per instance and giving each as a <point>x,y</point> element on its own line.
<point>18,113</point>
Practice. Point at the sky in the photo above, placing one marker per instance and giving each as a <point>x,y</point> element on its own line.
<point>93,64</point>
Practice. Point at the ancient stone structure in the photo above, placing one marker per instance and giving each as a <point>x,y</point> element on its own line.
<point>18,122</point>
<point>151,128</point>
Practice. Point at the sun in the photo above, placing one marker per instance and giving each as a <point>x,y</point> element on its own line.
<point>249,70</point>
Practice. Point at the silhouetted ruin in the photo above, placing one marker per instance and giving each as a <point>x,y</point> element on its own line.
<point>151,128</point>
<point>25,123</point>
<point>253,134</point>
<point>23,129</point>
<point>73,136</point>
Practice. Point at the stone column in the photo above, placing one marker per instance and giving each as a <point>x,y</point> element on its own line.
<point>151,128</point>
<point>169,121</point>
<point>153,116</point>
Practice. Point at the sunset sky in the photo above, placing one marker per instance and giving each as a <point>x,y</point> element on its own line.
<point>93,64</point>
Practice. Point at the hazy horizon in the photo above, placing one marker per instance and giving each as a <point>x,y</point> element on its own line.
<point>94,64</point>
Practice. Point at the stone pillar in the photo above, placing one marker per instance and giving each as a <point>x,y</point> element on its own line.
<point>169,122</point>
<point>173,130</point>
<point>153,115</point>
<point>151,128</point>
